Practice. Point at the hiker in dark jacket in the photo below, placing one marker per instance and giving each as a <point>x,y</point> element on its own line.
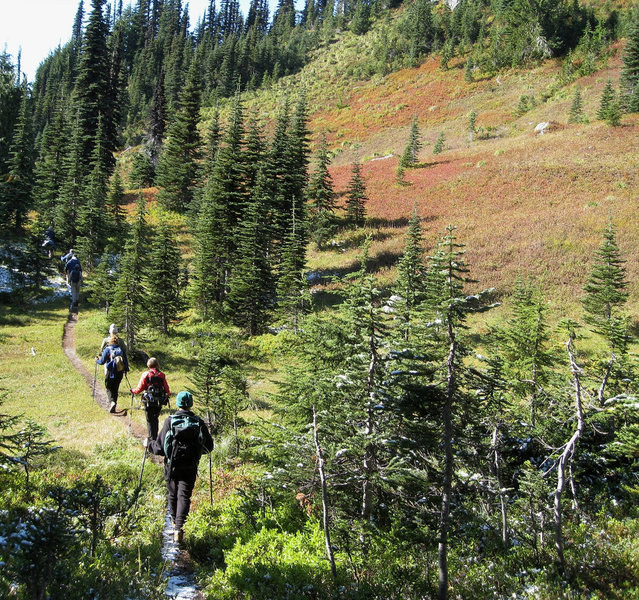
<point>180,469</point>
<point>155,394</point>
<point>113,374</point>
<point>73,271</point>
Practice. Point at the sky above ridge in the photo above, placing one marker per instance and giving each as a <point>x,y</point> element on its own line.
<point>39,26</point>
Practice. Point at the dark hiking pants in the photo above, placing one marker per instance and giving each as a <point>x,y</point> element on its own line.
<point>180,487</point>
<point>152,420</point>
<point>112,385</point>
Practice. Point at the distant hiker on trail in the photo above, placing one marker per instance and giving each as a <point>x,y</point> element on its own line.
<point>113,329</point>
<point>182,440</point>
<point>49,243</point>
<point>73,270</point>
<point>156,395</point>
<point>115,366</point>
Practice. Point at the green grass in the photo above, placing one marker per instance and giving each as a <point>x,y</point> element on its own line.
<point>40,382</point>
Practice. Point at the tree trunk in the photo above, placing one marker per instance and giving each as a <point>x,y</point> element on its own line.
<point>369,454</point>
<point>325,523</point>
<point>567,454</point>
<point>447,422</point>
<point>502,497</point>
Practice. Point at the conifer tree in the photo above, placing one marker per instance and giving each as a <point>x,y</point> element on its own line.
<point>213,143</point>
<point>178,167</point>
<point>629,83</point>
<point>70,198</point>
<point>207,380</point>
<point>438,148</point>
<point>411,268</point>
<point>130,301</point>
<point>524,346</point>
<point>356,196</point>
<point>100,287</point>
<point>472,125</point>
<point>613,116</point>
<point>15,194</point>
<point>92,88</point>
<point>606,291</point>
<point>447,303</point>
<point>320,187</point>
<point>157,120</point>
<point>49,168</point>
<point>250,296</point>
<point>212,256</point>
<point>164,296</point>
<point>322,197</point>
<point>255,150</point>
<point>293,297</point>
<point>93,219</point>
<point>608,97</point>
<point>576,114</point>
<point>368,328</point>
<point>409,157</point>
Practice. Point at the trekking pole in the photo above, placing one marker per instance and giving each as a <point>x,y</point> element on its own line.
<point>95,375</point>
<point>130,411</point>
<point>139,488</point>
<point>208,412</point>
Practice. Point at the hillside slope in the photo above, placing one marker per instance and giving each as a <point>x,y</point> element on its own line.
<point>523,203</point>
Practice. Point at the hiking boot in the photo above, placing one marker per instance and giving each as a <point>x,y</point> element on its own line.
<point>112,409</point>
<point>178,536</point>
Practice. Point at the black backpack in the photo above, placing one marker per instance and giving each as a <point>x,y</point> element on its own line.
<point>155,395</point>
<point>183,442</point>
<point>75,274</point>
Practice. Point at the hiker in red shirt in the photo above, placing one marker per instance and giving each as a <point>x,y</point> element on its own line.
<point>156,395</point>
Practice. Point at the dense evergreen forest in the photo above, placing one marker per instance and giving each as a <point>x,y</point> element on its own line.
<point>408,448</point>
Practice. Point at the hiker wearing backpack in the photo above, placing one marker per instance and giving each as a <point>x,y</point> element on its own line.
<point>49,243</point>
<point>73,271</point>
<point>182,440</point>
<point>115,366</point>
<point>155,394</point>
<point>113,329</point>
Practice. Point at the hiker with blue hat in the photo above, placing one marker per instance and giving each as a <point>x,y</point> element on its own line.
<point>182,440</point>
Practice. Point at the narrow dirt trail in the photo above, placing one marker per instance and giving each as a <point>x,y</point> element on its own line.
<point>178,572</point>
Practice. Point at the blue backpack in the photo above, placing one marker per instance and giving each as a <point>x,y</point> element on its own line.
<point>116,364</point>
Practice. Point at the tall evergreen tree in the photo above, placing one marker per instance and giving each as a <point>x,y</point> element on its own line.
<point>322,197</point>
<point>178,167</point>
<point>70,198</point>
<point>320,187</point>
<point>356,196</point>
<point>409,288</point>
<point>447,304</point>
<point>164,295</point>
<point>49,168</point>
<point>93,220</point>
<point>130,301</point>
<point>293,297</point>
<point>92,98</point>
<point>606,290</point>
<point>576,114</point>
<point>629,83</point>
<point>16,192</point>
<point>250,297</point>
<point>438,148</point>
<point>608,96</point>
<point>409,156</point>
<point>524,346</point>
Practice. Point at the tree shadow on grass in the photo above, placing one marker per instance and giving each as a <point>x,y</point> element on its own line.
<point>357,239</point>
<point>393,223</point>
